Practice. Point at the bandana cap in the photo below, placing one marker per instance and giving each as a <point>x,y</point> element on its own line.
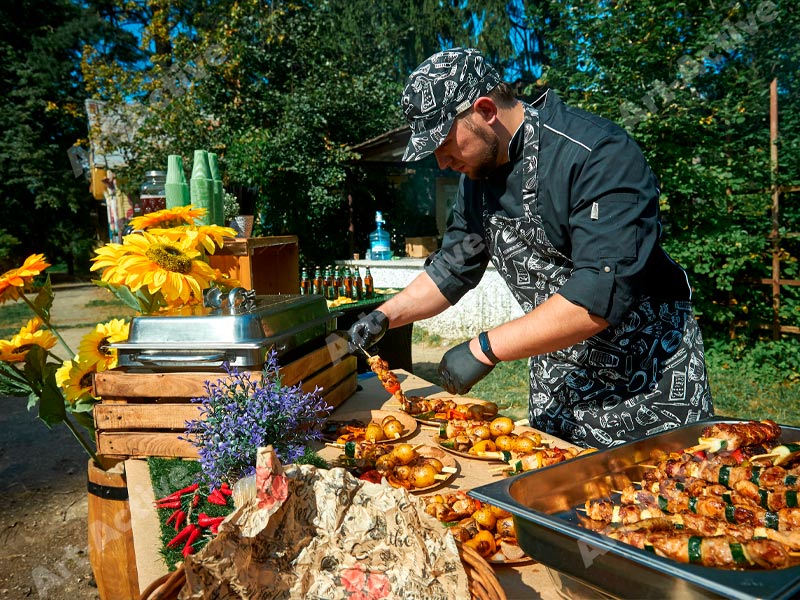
<point>442,87</point>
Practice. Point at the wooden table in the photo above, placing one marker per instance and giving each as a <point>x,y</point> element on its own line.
<point>523,581</point>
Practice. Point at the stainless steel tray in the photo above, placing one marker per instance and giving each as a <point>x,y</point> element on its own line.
<point>543,504</point>
<point>202,337</point>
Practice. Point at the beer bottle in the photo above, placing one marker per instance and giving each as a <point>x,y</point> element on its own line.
<point>318,285</point>
<point>347,282</point>
<point>305,283</point>
<point>358,286</point>
<point>328,283</point>
<point>369,286</point>
<point>337,281</point>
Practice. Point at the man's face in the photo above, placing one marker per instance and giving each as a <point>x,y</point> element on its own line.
<point>471,147</point>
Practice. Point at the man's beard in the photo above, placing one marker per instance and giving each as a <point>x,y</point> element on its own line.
<point>488,159</point>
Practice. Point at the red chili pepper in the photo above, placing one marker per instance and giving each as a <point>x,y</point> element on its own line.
<point>177,494</point>
<point>206,521</point>
<point>216,497</point>
<point>180,520</point>
<point>173,516</point>
<point>182,535</point>
<point>225,489</point>
<point>188,548</point>
<point>195,499</point>
<point>169,504</point>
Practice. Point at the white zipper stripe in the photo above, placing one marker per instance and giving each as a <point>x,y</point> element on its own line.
<point>582,145</point>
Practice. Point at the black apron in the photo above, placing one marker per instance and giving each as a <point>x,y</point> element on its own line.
<point>636,379</point>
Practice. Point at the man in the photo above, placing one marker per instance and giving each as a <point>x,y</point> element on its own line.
<point>565,206</point>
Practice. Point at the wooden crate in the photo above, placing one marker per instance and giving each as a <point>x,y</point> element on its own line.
<point>421,247</point>
<point>144,414</point>
<point>268,265</point>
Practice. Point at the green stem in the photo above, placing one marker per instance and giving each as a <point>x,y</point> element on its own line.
<point>46,321</point>
<point>71,426</point>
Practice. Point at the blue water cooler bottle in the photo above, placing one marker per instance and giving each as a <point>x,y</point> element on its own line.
<point>380,247</point>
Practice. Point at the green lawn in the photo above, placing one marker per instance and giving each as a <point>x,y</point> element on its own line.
<point>735,394</point>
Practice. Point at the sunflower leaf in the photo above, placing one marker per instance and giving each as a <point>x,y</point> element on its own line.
<point>35,363</point>
<point>10,381</point>
<point>85,420</point>
<point>52,408</point>
<point>44,300</point>
<point>123,293</point>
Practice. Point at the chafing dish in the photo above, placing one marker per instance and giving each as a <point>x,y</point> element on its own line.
<point>239,330</point>
<point>543,504</point>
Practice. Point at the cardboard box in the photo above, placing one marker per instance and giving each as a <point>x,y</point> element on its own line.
<point>421,247</point>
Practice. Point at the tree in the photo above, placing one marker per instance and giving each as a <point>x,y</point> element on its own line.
<point>690,80</point>
<point>45,207</point>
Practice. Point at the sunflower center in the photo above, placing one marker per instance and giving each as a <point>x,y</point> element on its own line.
<point>169,258</point>
<point>104,347</point>
<point>86,380</point>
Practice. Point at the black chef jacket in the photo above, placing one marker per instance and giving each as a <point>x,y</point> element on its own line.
<point>587,165</point>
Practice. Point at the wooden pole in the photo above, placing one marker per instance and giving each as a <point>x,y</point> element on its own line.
<point>774,234</point>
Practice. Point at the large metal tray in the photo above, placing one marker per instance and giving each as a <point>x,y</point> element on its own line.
<point>543,504</point>
<point>201,337</point>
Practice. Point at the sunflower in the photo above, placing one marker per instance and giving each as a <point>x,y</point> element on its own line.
<point>8,352</point>
<point>209,237</point>
<point>164,265</point>
<point>94,345</point>
<point>170,217</point>
<point>75,378</point>
<point>29,335</point>
<point>14,281</point>
<point>108,258</point>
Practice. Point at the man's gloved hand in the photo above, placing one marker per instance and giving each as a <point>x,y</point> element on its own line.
<point>367,331</point>
<point>460,370</point>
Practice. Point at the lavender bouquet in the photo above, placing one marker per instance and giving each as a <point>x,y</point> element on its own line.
<point>241,415</point>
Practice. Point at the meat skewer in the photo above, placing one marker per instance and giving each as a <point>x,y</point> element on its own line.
<point>784,519</point>
<point>780,454</point>
<point>716,551</point>
<point>743,492</point>
<point>387,378</point>
<point>729,476</point>
<point>731,436</point>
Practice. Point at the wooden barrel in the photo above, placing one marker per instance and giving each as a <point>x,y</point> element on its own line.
<point>111,550</point>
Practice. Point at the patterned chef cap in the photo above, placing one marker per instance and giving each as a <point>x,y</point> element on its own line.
<point>443,86</point>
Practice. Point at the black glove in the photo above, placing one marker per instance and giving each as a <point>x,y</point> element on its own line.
<point>367,331</point>
<point>460,370</point>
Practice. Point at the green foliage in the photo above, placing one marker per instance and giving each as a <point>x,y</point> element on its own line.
<point>45,207</point>
<point>761,362</point>
<point>690,81</point>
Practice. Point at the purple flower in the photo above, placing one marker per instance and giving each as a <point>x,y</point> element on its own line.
<point>240,415</point>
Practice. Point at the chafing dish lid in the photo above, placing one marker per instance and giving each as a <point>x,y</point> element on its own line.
<point>203,326</point>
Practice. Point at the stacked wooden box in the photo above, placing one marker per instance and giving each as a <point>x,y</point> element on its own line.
<point>145,414</point>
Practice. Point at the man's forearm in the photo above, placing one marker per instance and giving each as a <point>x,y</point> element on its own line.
<point>553,325</point>
<point>420,300</point>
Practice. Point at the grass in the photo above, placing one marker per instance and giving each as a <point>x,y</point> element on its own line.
<point>15,315</point>
<point>12,317</point>
<point>736,395</point>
